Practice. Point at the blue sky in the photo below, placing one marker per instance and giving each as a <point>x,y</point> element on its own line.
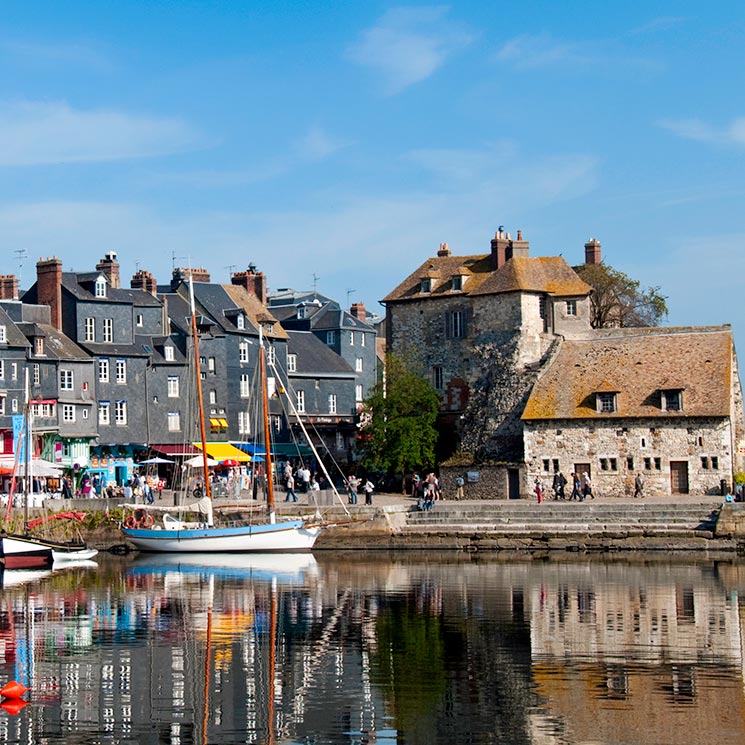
<point>347,140</point>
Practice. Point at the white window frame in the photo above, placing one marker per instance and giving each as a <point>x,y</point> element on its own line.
<point>121,372</point>
<point>3,335</point>
<point>240,322</point>
<point>213,397</point>
<point>36,374</point>
<point>100,288</point>
<point>243,352</point>
<point>168,353</point>
<point>103,369</point>
<point>66,380</point>
<point>211,365</point>
<point>457,324</point>
<point>571,307</point>
<point>332,403</point>
<point>107,330</point>
<point>174,421</point>
<point>351,338</point>
<point>14,371</point>
<point>330,337</point>
<point>300,402</point>
<point>363,335</point>
<point>606,402</point>
<point>38,346</point>
<point>358,363</point>
<point>89,333</point>
<point>68,413</point>
<point>271,355</point>
<point>120,413</point>
<point>173,386</point>
<point>104,413</point>
<point>2,369</point>
<point>291,363</point>
<point>358,393</point>
<point>245,385</point>
<point>139,320</point>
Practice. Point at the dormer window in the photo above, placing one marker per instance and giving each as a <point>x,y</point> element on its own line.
<point>269,328</point>
<point>457,282</point>
<point>671,400</point>
<point>606,402</point>
<point>291,363</point>
<point>301,312</point>
<point>38,345</point>
<point>100,288</point>
<point>168,353</point>
<point>240,322</point>
<point>426,285</point>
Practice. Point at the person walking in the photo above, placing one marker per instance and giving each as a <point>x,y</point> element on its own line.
<point>290,489</point>
<point>576,488</point>
<point>587,486</point>
<point>368,488</point>
<point>638,486</point>
<point>538,490</point>
<point>352,483</point>
<point>459,482</point>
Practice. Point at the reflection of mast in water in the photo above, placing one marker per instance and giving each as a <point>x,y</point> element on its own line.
<point>272,658</point>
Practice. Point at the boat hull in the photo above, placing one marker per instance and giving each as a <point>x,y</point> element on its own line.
<point>25,553</point>
<point>291,535</point>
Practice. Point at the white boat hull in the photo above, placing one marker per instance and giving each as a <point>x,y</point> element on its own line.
<point>20,552</point>
<point>83,554</point>
<point>291,535</point>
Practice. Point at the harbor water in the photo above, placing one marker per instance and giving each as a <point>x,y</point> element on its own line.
<point>348,647</point>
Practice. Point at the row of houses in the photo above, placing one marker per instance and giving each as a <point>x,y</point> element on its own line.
<point>530,389</point>
<point>110,371</point>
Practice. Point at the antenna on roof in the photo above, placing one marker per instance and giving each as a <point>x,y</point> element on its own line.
<point>349,292</point>
<point>315,281</point>
<point>230,268</point>
<point>21,254</point>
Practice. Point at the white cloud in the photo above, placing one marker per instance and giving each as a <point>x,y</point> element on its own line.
<point>407,45</point>
<point>317,144</point>
<point>538,50</point>
<point>696,129</point>
<point>33,133</point>
<point>39,53</point>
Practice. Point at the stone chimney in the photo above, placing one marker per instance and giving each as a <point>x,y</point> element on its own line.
<point>49,288</point>
<point>182,274</point>
<point>503,248</point>
<point>110,267</point>
<point>444,250</point>
<point>143,280</point>
<point>359,311</point>
<point>252,281</point>
<point>520,248</point>
<point>8,287</point>
<point>592,252</point>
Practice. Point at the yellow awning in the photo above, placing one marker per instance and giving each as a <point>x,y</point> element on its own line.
<point>223,423</point>
<point>215,423</point>
<point>224,451</point>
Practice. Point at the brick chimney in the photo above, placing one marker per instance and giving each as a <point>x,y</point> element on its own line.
<point>592,252</point>
<point>252,281</point>
<point>8,287</point>
<point>520,248</point>
<point>182,274</point>
<point>444,250</point>
<point>49,288</point>
<point>110,267</point>
<point>500,245</point>
<point>143,280</point>
<point>359,311</point>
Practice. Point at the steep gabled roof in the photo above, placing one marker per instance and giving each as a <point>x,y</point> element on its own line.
<point>549,274</point>
<point>56,344</point>
<point>636,363</point>
<point>314,357</point>
<point>13,335</point>
<point>255,310</point>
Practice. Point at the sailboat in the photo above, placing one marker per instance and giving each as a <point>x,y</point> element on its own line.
<point>26,550</point>
<point>200,533</point>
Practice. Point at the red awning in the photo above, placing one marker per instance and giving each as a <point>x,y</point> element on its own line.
<point>185,450</point>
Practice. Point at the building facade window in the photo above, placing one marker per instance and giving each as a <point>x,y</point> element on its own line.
<point>291,363</point>
<point>245,385</point>
<point>606,403</point>
<point>358,393</point>
<point>211,366</point>
<point>174,421</point>
<point>140,320</point>
<point>3,335</point>
<point>213,397</point>
<point>168,353</point>
<point>457,283</point>
<point>120,413</point>
<point>104,412</point>
<point>173,387</point>
<point>456,324</point>
<point>241,321</point>
<point>100,290</point>
<point>90,329</point>
<point>36,375</point>
<point>121,371</point>
<point>340,441</point>
<point>571,307</point>
<point>672,400</point>
<point>271,355</point>
<point>243,352</point>
<point>358,364</point>
<point>332,403</point>
<point>437,377</point>
<point>244,427</point>
<point>363,342</point>
<point>2,369</point>
<point>300,402</point>
<point>331,337</point>
<point>351,338</point>
<point>2,405</point>
<point>38,345</point>
<point>14,371</point>
<point>103,370</point>
<point>68,413</point>
<point>65,380</point>
<point>107,330</point>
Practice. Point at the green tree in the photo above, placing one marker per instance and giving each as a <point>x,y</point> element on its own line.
<point>400,429</point>
<point>618,300</point>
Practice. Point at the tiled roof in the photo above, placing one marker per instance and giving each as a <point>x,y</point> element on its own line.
<point>254,309</point>
<point>637,364</point>
<point>550,274</point>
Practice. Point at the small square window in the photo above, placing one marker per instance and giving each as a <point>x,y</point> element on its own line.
<point>613,464</point>
<point>715,462</point>
<point>606,403</point>
<point>546,465</point>
<point>704,462</point>
<point>647,464</point>
<point>630,464</point>
<point>657,464</point>
<point>571,307</point>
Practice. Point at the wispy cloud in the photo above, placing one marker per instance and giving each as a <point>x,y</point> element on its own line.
<point>33,133</point>
<point>696,129</point>
<point>662,23</point>
<point>41,53</point>
<point>318,144</point>
<point>538,50</point>
<point>408,45</point>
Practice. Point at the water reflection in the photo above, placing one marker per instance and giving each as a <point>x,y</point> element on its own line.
<point>368,647</point>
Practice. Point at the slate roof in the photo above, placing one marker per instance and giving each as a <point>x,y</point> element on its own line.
<point>637,363</point>
<point>13,335</point>
<point>314,357</point>
<point>56,344</point>
<point>116,350</point>
<point>255,310</point>
<point>550,274</point>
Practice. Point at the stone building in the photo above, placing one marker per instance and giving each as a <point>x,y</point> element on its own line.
<point>501,335</point>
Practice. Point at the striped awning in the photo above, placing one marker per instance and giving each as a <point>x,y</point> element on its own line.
<point>224,451</point>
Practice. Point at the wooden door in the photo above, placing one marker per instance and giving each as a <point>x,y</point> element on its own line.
<point>679,476</point>
<point>513,483</point>
<point>580,468</point>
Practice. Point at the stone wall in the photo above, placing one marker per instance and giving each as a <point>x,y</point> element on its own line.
<point>607,446</point>
<point>485,481</point>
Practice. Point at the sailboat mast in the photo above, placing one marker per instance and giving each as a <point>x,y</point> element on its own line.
<point>27,454</point>
<point>267,437</point>
<point>200,404</point>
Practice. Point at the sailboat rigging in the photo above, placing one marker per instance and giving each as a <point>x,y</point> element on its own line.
<point>201,534</point>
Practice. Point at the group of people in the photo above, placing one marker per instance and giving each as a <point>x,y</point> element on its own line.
<point>354,484</point>
<point>425,490</point>
<point>581,487</point>
<point>300,478</point>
